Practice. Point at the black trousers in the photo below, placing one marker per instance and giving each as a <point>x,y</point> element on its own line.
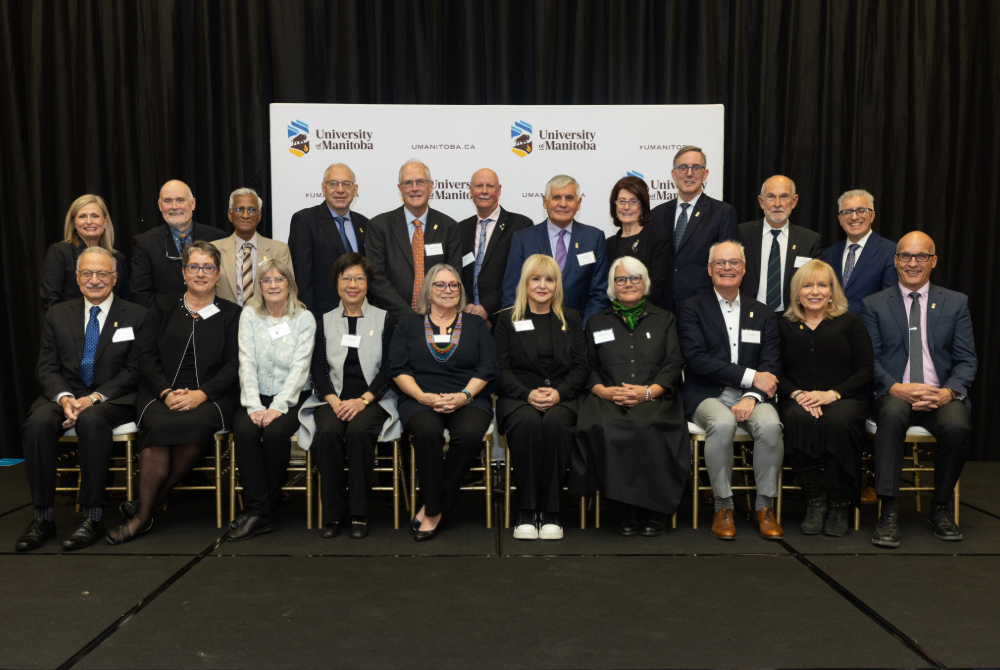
<point>346,443</point>
<point>40,439</point>
<point>540,445</point>
<point>262,455</point>
<point>440,477</point>
<point>950,424</point>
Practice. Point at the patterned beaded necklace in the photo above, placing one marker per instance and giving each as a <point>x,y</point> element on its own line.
<point>442,354</point>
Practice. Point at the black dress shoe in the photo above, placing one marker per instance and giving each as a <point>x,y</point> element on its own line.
<point>86,534</point>
<point>254,525</point>
<point>426,535</point>
<point>887,531</point>
<point>943,526</point>
<point>332,529</point>
<point>816,511</point>
<point>414,525</point>
<point>39,530</point>
<point>359,528</point>
<point>636,520</point>
<point>239,521</point>
<point>836,520</point>
<point>651,528</point>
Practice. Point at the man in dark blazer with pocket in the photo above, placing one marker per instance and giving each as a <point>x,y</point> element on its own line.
<point>925,362</point>
<point>88,368</point>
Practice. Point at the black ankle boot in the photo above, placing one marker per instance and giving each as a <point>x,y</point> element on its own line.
<point>812,490</point>
<point>837,519</point>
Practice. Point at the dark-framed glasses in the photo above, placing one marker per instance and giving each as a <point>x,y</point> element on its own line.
<point>360,279</point>
<point>207,269</point>
<point>333,183</point>
<point>419,183</point>
<point>101,274</point>
<point>693,169</point>
<point>249,210</point>
<point>441,286</point>
<point>906,257</point>
<point>734,263</point>
<point>620,281</point>
<point>277,281</point>
<point>860,211</point>
<point>625,204</point>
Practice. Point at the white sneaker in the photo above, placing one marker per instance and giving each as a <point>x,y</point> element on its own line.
<point>528,531</point>
<point>550,531</point>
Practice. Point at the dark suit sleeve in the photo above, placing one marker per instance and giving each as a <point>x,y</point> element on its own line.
<point>598,299</point>
<point>669,376</point>
<point>150,365</point>
<point>141,281</point>
<point>127,380</point>
<point>964,360</point>
<point>883,380</point>
<point>593,361</point>
<point>453,250</point>
<point>489,364</point>
<point>699,361</point>
<point>817,248</point>
<point>578,373</point>
<point>729,227</point>
<point>513,273</point>
<point>383,293</point>
<point>659,266</point>
<point>399,357</point>
<point>300,246</point>
<point>770,351</point>
<point>509,385</point>
<point>53,276</point>
<point>863,358</point>
<point>122,287</point>
<point>48,369</point>
<point>228,375</point>
<point>889,276</point>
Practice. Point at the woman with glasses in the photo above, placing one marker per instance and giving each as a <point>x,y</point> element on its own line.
<point>445,363</point>
<point>189,360</point>
<point>276,344</point>
<point>649,244</point>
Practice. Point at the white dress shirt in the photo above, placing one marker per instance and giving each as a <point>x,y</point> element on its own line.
<point>239,264</point>
<point>102,316</point>
<point>731,315</point>
<point>765,255</point>
<point>690,210</point>
<point>857,254</point>
<point>492,223</point>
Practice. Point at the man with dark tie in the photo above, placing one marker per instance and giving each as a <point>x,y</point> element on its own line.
<point>486,240</point>
<point>404,243</point>
<point>580,250</point>
<point>321,234</point>
<point>925,361</point>
<point>695,222</point>
<point>88,368</point>
<point>864,261</point>
<point>775,246</point>
<point>156,254</point>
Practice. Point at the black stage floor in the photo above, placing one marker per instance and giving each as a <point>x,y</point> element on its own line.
<point>182,597</point>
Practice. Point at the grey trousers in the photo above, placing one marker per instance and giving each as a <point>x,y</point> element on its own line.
<point>719,424</point>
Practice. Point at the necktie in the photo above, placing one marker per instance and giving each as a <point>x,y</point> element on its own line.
<point>182,243</point>
<point>916,342</point>
<point>417,245</point>
<point>247,272</point>
<point>682,222</point>
<point>561,251</point>
<point>849,264</point>
<point>343,233</point>
<point>90,347</point>
<point>774,273</point>
<point>479,260</point>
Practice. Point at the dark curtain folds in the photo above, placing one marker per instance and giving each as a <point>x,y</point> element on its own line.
<point>116,97</point>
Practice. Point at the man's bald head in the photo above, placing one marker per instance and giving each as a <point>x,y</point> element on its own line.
<point>914,240</point>
<point>485,189</point>
<point>777,199</point>
<point>915,258</point>
<point>176,204</point>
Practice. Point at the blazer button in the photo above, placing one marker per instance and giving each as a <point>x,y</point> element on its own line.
<point>547,382</point>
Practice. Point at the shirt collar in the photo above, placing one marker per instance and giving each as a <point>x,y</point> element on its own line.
<point>554,229</point>
<point>239,241</point>
<point>105,306</point>
<point>924,291</point>
<point>862,242</point>
<point>724,302</point>
<point>410,218</point>
<point>177,234</point>
<point>346,217</point>
<point>768,229</point>
<point>693,203</point>
<point>494,217</point>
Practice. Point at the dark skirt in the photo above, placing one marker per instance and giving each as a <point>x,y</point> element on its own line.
<point>162,427</point>
<point>838,432</point>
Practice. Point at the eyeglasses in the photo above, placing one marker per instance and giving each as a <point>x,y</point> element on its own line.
<point>419,183</point>
<point>623,203</point>
<point>357,280</point>
<point>101,274</point>
<point>249,210</point>
<point>693,169</point>
<point>266,281</point>
<point>736,263</point>
<point>333,183</point>
<point>771,198</point>
<point>860,211</point>
<point>620,281</point>
<point>441,286</point>
<point>906,257</point>
<point>207,269</point>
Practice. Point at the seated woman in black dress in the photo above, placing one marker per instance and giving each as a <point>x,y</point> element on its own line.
<point>189,360</point>
<point>632,439</point>
<point>827,368</point>
<point>543,364</point>
<point>88,224</point>
<point>636,238</point>
<point>445,363</point>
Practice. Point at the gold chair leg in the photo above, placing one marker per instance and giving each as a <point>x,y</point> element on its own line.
<point>218,484</point>
<point>79,485</point>
<point>395,484</point>
<point>857,518</point>
<point>781,482</point>
<point>413,480</point>
<point>583,512</point>
<point>957,493</point>
<point>488,477</point>
<point>232,482</point>
<point>673,520</point>
<point>597,508</point>
<point>309,489</point>
<point>916,474</point>
<point>319,520</point>
<point>129,448</point>
<point>694,483</point>
<point>506,484</point>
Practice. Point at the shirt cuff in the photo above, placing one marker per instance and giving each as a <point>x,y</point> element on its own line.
<point>748,378</point>
<point>754,394</point>
<point>61,395</point>
<point>103,397</point>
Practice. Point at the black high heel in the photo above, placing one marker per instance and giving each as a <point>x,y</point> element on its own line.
<point>125,534</point>
<point>427,535</point>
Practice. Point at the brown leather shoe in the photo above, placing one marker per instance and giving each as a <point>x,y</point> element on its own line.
<point>868,496</point>
<point>724,524</point>
<point>769,528</point>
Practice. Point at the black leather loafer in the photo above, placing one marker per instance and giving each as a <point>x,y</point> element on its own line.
<point>943,526</point>
<point>239,521</point>
<point>254,525</point>
<point>651,528</point>
<point>332,529</point>
<point>359,529</point>
<point>38,531</point>
<point>887,531</point>
<point>86,534</point>
<point>629,528</point>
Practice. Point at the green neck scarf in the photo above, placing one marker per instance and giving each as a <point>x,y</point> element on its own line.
<point>630,314</point>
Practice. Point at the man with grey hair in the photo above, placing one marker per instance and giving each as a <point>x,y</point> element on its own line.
<point>245,249</point>
<point>580,250</point>
<point>730,344</point>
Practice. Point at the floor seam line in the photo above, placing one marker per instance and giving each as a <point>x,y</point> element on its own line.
<point>16,509</point>
<point>979,509</point>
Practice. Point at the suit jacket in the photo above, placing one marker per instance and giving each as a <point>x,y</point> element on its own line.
<point>315,245</point>
<point>711,221</point>
<point>801,242</point>
<point>949,338</point>
<point>156,265</point>
<point>495,259</point>
<point>391,256</point>
<point>705,343</point>
<point>266,248</point>
<point>116,364</point>
<point>873,271</point>
<point>584,286</point>
<point>59,274</point>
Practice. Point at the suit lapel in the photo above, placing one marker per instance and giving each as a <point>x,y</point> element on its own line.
<point>895,298</point>
<point>694,218</point>
<point>359,235</point>
<point>227,250</point>
<point>329,228</point>
<point>76,326</point>
<point>714,311</point>
<point>748,321</point>
<point>495,237</point>
<point>115,314</point>
<point>527,340</point>
<point>572,249</point>
<point>791,253</point>
<point>870,249</point>
<point>756,239</point>
<point>169,252</point>
<point>936,300</point>
<point>838,263</point>
<point>398,229</point>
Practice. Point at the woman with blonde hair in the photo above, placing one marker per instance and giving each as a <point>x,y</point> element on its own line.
<point>827,368</point>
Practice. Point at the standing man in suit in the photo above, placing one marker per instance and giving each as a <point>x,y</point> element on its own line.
<point>88,368</point>
<point>695,222</point>
<point>925,361</point>
<point>730,344</point>
<point>243,251</point>
<point>580,250</point>
<point>864,261</point>
<point>486,240</point>
<point>774,256</point>
<point>405,242</point>
<point>321,234</point>
<point>156,254</point>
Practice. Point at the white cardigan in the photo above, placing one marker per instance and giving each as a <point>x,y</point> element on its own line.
<point>274,367</point>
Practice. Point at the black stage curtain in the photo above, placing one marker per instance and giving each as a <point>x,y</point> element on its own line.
<point>115,97</point>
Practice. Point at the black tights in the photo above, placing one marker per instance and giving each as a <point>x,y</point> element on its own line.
<point>160,470</point>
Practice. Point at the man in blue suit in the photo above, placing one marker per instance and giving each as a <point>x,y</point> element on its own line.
<point>925,361</point>
<point>579,249</point>
<point>864,261</point>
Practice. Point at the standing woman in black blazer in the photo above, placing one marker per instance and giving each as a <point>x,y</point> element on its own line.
<point>636,238</point>
<point>189,360</point>
<point>543,364</point>
<point>88,224</point>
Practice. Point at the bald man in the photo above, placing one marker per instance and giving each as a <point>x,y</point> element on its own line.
<point>156,254</point>
<point>486,244</point>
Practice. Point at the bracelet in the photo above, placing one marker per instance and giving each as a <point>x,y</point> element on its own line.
<point>649,394</point>
<point>797,394</point>
<point>467,395</point>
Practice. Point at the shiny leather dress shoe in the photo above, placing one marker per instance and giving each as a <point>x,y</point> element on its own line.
<point>651,528</point>
<point>943,526</point>
<point>86,534</point>
<point>414,525</point>
<point>239,521</point>
<point>887,531</point>
<point>768,526</point>
<point>332,529</point>
<point>38,531</point>
<point>630,527</point>
<point>254,525</point>
<point>427,535</point>
<point>724,524</point>
<point>359,528</point>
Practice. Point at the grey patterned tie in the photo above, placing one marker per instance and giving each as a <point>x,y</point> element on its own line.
<point>849,263</point>
<point>916,342</point>
<point>682,222</point>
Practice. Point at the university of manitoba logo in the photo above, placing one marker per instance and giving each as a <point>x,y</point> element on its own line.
<point>520,132</point>
<point>633,173</point>
<point>299,132</point>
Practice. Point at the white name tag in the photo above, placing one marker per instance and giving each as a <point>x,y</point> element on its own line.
<point>801,260</point>
<point>279,331</point>
<point>467,258</point>
<point>350,341</point>
<point>433,249</point>
<point>751,336</point>
<point>442,339</point>
<point>123,335</point>
<point>521,326</point>
<point>206,312</point>
<point>586,258</point>
<point>602,336</point>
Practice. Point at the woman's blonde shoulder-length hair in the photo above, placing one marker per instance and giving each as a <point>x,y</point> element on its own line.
<point>816,269</point>
<point>70,235</point>
<point>424,297</point>
<point>543,266</point>
<point>256,302</point>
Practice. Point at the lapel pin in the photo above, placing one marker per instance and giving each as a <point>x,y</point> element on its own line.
<point>116,324</point>
<point>696,214</point>
<point>801,327</point>
<point>435,226</point>
<point>751,315</point>
<point>793,247</point>
<point>577,245</point>
<point>933,305</point>
<point>502,226</point>
<point>361,229</point>
<point>635,244</point>
<point>564,327</point>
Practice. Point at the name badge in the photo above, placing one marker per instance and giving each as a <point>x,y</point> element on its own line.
<point>801,260</point>
<point>467,258</point>
<point>442,339</point>
<point>279,331</point>
<point>207,312</point>
<point>433,249</point>
<point>350,341</point>
<point>123,335</point>
<point>521,326</point>
<point>751,336</point>
<point>602,336</point>
<point>586,258</point>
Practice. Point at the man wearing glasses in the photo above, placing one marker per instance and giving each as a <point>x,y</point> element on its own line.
<point>321,234</point>
<point>864,261</point>
<point>245,249</point>
<point>156,254</point>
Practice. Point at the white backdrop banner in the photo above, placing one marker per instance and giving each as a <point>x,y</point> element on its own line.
<point>525,145</point>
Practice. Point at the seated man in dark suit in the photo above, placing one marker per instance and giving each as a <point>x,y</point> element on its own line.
<point>925,361</point>
<point>730,345</point>
<point>864,261</point>
<point>88,368</point>
<point>774,256</point>
<point>486,241</point>
<point>580,250</point>
<point>695,222</point>
<point>405,242</point>
<point>321,234</point>
<point>156,253</point>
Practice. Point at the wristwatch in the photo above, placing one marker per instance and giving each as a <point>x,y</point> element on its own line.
<point>467,395</point>
<point>365,401</point>
<point>836,394</point>
<point>94,398</point>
